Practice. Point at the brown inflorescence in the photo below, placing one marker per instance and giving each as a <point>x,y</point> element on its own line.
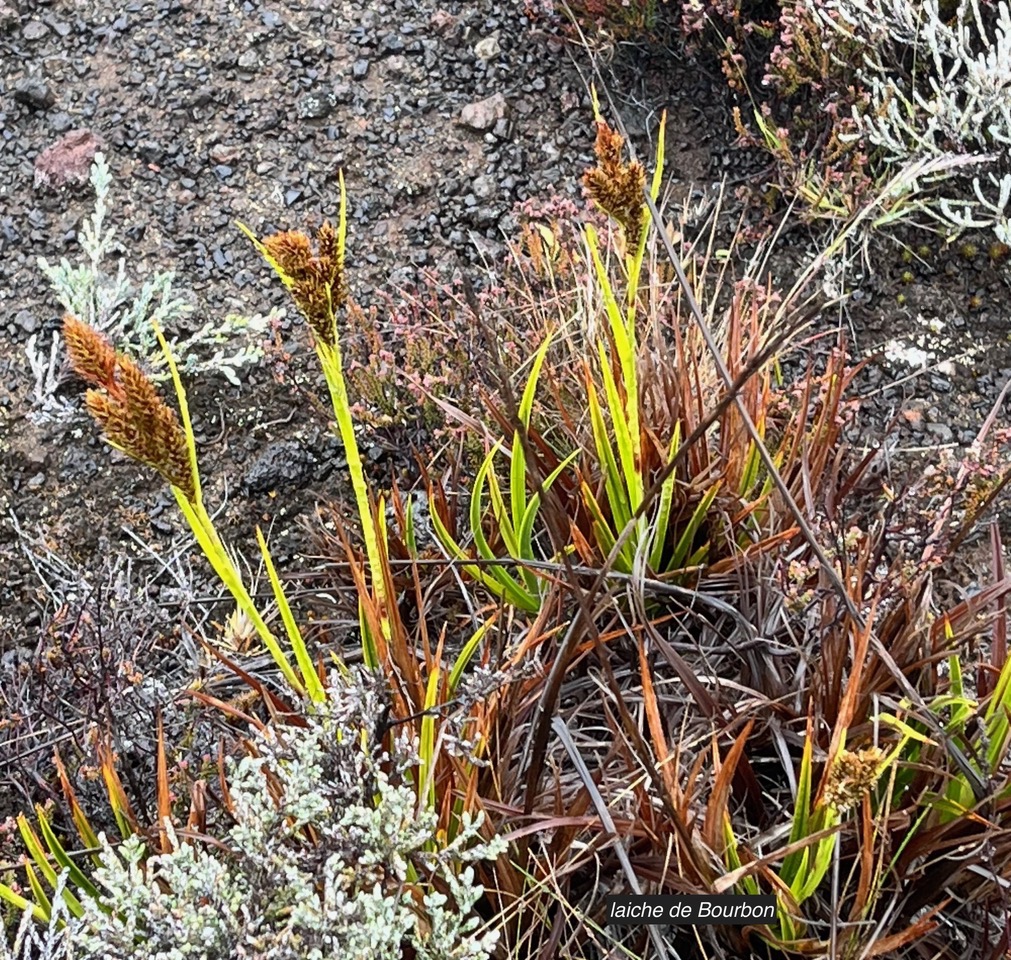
<point>616,187</point>
<point>128,407</point>
<point>317,283</point>
<point>91,354</point>
<point>852,775</point>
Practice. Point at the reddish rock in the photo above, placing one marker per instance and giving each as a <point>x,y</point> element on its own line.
<point>485,114</point>
<point>67,163</point>
<point>443,22</point>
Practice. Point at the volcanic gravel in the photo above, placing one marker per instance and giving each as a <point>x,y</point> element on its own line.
<point>443,117</point>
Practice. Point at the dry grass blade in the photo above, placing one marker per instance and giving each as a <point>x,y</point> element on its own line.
<point>558,725</point>
<point>979,787</point>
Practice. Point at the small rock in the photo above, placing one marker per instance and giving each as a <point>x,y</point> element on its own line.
<point>222,153</point>
<point>487,49</point>
<point>483,115</point>
<point>27,321</point>
<point>391,43</point>
<point>941,431</point>
<point>443,22</point>
<point>283,463</point>
<point>60,122</point>
<point>484,187</point>
<point>149,151</point>
<point>36,457</point>
<point>315,106</point>
<point>35,93</point>
<point>34,30</point>
<point>68,161</point>
<point>360,69</point>
<point>248,60</point>
<point>10,19</point>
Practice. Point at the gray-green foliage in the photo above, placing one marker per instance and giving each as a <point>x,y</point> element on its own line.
<point>126,312</point>
<point>341,866</point>
<point>937,77</point>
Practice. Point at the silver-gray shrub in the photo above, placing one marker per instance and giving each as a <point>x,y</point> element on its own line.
<point>953,103</point>
<point>329,856</point>
<point>126,312</point>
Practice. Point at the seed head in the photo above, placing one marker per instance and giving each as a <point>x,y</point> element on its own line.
<point>852,775</point>
<point>317,282</point>
<point>90,353</point>
<point>128,408</point>
<point>616,187</point>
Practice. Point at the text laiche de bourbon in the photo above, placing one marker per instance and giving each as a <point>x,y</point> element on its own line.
<point>637,910</point>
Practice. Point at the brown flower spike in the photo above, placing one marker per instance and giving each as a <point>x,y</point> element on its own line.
<point>317,283</point>
<point>128,407</point>
<point>616,187</point>
<point>852,775</point>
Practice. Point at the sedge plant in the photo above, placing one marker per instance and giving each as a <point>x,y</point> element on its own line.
<point>318,285</point>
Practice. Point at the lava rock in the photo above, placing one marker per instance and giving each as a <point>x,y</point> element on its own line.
<point>10,19</point>
<point>60,122</point>
<point>222,153</point>
<point>483,115</point>
<point>444,23</point>
<point>34,92</point>
<point>484,187</point>
<point>27,321</point>
<point>248,60</point>
<point>34,30</point>
<point>283,463</point>
<point>315,106</point>
<point>67,163</point>
<point>487,49</point>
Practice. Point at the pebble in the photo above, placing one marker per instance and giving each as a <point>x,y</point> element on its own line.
<point>315,106</point>
<point>10,19</point>
<point>27,321</point>
<point>67,163</point>
<point>34,30</point>
<point>281,464</point>
<point>482,115</point>
<point>35,93</point>
<point>223,153</point>
<point>484,187</point>
<point>488,48</point>
<point>941,431</point>
<point>60,122</point>
<point>360,69</point>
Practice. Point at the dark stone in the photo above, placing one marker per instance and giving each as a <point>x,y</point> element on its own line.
<point>34,92</point>
<point>283,463</point>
